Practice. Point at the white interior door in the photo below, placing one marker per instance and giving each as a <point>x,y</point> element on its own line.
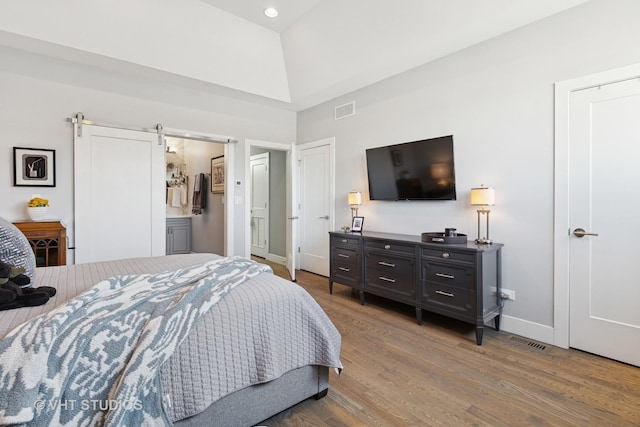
<point>604,182</point>
<point>259,168</point>
<point>292,212</point>
<point>119,194</point>
<point>316,208</point>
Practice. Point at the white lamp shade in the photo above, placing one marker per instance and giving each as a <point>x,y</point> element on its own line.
<point>355,198</point>
<point>483,196</point>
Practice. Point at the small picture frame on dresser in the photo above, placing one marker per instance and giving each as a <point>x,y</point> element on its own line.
<point>356,224</point>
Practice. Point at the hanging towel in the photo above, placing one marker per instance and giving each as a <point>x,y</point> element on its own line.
<point>169,195</point>
<point>176,196</point>
<point>199,194</point>
<point>183,194</point>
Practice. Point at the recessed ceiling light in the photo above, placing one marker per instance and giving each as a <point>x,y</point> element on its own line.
<point>271,12</point>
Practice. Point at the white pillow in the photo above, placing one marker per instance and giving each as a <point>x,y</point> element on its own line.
<point>15,249</point>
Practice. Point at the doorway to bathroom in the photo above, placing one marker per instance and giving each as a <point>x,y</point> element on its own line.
<point>192,167</point>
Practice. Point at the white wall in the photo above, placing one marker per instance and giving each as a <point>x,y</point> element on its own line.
<point>496,98</point>
<point>39,93</point>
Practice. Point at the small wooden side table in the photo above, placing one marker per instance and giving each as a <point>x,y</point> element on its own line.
<point>48,240</point>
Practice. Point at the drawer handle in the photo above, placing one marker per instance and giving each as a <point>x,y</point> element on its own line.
<point>386,264</point>
<point>343,256</point>
<point>387,246</point>
<point>446,276</point>
<point>446,294</point>
<point>344,269</point>
<point>344,240</point>
<point>386,279</point>
<point>445,255</point>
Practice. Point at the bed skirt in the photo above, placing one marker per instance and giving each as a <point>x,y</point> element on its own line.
<point>249,406</point>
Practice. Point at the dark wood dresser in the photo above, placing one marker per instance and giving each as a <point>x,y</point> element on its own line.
<point>461,281</point>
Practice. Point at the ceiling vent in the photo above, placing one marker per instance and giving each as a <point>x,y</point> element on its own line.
<point>345,110</point>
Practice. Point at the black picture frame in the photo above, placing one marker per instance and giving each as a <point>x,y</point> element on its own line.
<point>356,223</point>
<point>34,167</point>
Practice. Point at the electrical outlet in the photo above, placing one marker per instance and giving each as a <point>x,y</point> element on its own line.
<point>508,294</point>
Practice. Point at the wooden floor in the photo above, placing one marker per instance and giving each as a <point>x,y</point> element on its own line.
<point>397,373</point>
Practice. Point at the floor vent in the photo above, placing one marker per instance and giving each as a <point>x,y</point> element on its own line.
<point>345,110</point>
<point>529,343</point>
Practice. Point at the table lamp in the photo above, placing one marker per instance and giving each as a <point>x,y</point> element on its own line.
<point>483,196</point>
<point>355,200</point>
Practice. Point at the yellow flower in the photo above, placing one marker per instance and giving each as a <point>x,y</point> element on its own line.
<point>38,202</point>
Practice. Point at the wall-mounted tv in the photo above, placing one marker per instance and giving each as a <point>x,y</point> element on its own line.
<point>418,170</point>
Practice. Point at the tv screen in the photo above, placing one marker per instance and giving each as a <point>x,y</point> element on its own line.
<point>418,170</point>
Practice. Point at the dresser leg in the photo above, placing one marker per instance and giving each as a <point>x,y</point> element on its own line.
<point>330,287</point>
<point>419,315</point>
<point>496,322</point>
<point>479,332</point>
<point>361,297</point>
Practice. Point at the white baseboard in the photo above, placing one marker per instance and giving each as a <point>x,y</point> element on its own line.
<point>527,329</point>
<point>276,258</point>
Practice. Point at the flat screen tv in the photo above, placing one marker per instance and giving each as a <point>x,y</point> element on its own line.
<point>418,170</point>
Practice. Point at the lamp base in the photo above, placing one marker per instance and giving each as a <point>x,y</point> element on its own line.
<point>483,240</point>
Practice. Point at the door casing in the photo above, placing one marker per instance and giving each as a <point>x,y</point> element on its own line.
<point>290,202</point>
<point>561,244</point>
<point>330,143</point>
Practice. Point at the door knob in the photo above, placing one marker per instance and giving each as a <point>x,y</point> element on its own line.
<point>579,232</point>
<point>324,217</point>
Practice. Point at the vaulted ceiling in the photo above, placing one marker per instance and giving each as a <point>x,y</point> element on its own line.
<point>314,51</point>
<point>336,46</point>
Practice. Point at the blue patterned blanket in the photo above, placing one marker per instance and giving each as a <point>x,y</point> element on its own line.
<point>94,360</point>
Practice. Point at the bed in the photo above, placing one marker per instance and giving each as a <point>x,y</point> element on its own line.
<point>265,346</point>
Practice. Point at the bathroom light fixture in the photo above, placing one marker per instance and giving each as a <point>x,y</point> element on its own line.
<point>483,196</point>
<point>355,200</point>
<point>271,12</point>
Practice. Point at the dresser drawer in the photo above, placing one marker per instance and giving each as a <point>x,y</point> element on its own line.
<point>390,274</point>
<point>446,253</point>
<point>448,300</point>
<point>345,254</point>
<point>400,287</point>
<point>345,240</point>
<point>345,263</point>
<point>347,274</point>
<point>449,274</point>
<point>397,267</point>
<point>346,269</point>
<point>44,234</point>
<point>392,246</point>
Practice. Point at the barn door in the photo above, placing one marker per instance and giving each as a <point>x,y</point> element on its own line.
<point>119,194</point>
